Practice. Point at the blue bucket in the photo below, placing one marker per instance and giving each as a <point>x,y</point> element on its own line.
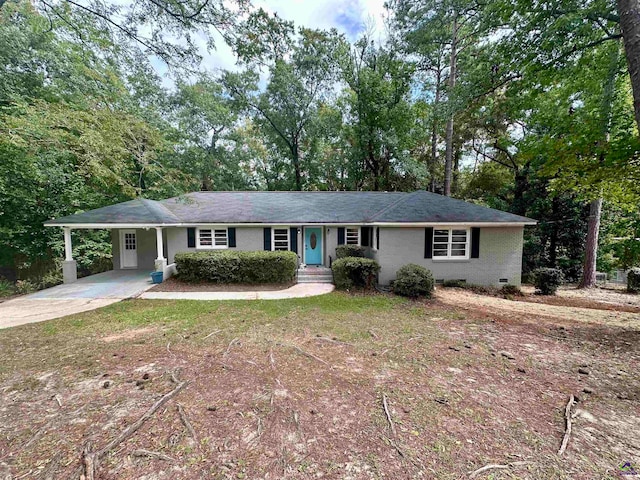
<point>156,277</point>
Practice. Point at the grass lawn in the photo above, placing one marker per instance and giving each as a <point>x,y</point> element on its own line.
<point>295,389</point>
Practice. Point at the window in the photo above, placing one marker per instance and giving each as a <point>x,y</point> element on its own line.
<point>129,241</point>
<point>280,239</point>
<point>212,238</point>
<point>450,244</point>
<point>352,235</point>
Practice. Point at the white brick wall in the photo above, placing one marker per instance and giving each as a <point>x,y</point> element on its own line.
<point>500,256</point>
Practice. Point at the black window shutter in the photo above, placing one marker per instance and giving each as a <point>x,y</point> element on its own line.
<point>428,242</point>
<point>231,236</point>
<point>293,239</point>
<point>378,238</point>
<point>475,242</point>
<point>340,235</point>
<point>267,238</point>
<point>191,238</point>
<point>364,241</point>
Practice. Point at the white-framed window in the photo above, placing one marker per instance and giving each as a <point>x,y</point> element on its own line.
<point>352,235</point>
<point>280,239</point>
<point>212,238</point>
<point>451,243</point>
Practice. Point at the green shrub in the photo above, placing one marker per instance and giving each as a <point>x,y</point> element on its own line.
<point>511,291</point>
<point>237,267</point>
<point>25,286</point>
<point>633,280</point>
<point>454,283</point>
<point>547,280</point>
<point>6,288</point>
<point>51,279</point>
<point>343,251</point>
<point>413,281</point>
<point>349,272</point>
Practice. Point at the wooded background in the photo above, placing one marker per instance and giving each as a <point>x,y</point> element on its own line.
<point>523,106</point>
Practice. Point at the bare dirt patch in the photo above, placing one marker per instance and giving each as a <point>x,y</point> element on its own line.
<point>175,285</point>
<point>295,389</point>
<point>608,316</point>
<point>128,334</point>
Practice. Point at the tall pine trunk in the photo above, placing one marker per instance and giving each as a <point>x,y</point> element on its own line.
<point>448,158</point>
<point>591,254</point>
<point>629,11</point>
<point>595,208</point>
<point>433,163</point>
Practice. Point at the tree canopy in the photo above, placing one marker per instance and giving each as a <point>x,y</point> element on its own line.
<point>528,107</point>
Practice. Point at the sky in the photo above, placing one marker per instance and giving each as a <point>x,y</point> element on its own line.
<point>350,17</point>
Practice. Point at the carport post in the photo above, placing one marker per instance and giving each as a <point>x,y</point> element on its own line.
<point>161,262</point>
<point>69,266</point>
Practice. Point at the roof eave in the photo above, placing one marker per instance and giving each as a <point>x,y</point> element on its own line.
<point>259,224</point>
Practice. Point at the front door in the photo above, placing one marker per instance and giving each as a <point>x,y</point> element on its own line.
<point>128,249</point>
<point>313,246</point>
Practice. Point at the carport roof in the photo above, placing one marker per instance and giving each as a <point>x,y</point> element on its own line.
<point>256,207</point>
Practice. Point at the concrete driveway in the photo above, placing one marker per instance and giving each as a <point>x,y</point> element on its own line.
<point>87,293</point>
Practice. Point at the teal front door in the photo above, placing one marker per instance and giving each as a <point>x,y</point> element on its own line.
<point>313,246</point>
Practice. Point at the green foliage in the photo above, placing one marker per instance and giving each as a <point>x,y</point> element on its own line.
<point>633,280</point>
<point>547,280</point>
<point>237,266</point>
<point>7,288</point>
<point>51,279</point>
<point>350,251</point>
<point>25,286</point>
<point>350,272</point>
<point>413,281</point>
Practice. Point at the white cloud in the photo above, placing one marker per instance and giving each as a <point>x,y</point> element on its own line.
<point>350,17</point>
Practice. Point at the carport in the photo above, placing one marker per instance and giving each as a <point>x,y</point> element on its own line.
<point>138,236</point>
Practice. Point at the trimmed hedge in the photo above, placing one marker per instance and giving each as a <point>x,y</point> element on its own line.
<point>344,251</point>
<point>633,280</point>
<point>547,280</point>
<point>236,266</point>
<point>349,272</point>
<point>413,281</point>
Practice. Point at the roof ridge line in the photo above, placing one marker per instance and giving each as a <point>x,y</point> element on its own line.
<point>402,199</point>
<point>156,203</point>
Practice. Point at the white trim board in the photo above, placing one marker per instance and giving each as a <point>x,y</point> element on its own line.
<point>369,224</point>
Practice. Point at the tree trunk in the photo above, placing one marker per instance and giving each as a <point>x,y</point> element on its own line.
<point>553,238</point>
<point>595,209</point>
<point>295,152</point>
<point>448,160</point>
<point>456,171</point>
<point>521,185</point>
<point>629,11</point>
<point>591,254</point>
<point>432,167</point>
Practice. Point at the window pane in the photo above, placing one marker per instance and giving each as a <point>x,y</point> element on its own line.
<point>281,239</point>
<point>460,232</point>
<point>352,236</point>
<point>205,238</point>
<point>220,238</point>
<point>458,251</point>
<point>441,236</point>
<point>457,237</point>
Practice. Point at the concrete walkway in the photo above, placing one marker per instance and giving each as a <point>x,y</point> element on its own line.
<point>299,290</point>
<point>87,293</point>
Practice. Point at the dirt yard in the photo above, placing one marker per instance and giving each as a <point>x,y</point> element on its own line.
<point>338,386</point>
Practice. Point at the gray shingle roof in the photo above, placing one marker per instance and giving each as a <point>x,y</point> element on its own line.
<point>293,208</point>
